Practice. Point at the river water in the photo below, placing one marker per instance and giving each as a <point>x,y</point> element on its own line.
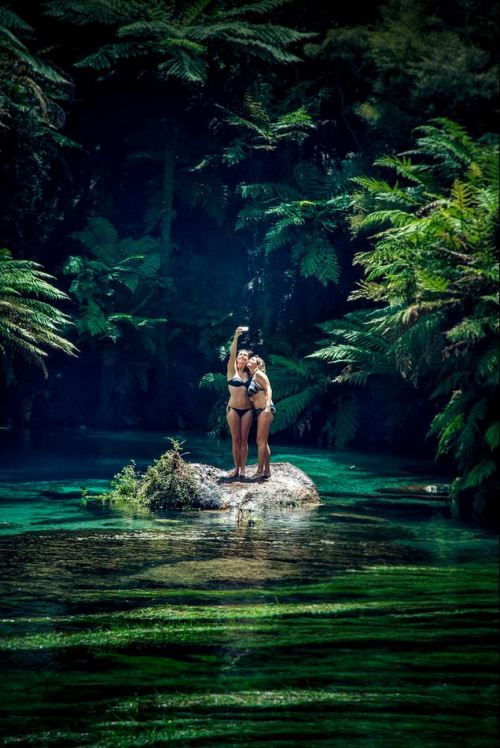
<point>371,620</point>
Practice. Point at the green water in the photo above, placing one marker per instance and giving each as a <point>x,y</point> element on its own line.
<point>371,620</point>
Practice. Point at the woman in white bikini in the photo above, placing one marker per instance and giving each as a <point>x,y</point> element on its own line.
<point>261,395</point>
<point>239,409</point>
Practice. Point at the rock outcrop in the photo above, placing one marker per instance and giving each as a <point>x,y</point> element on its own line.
<point>287,487</point>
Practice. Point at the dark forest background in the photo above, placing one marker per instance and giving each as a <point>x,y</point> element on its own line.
<point>183,168</point>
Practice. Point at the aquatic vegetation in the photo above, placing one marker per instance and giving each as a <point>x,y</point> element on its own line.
<point>118,629</point>
<point>241,671</point>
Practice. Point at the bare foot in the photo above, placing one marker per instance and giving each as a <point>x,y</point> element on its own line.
<point>258,476</point>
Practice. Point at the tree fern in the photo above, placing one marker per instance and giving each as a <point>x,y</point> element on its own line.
<point>434,268</point>
<point>112,281</point>
<point>319,261</point>
<point>28,324</point>
<point>302,225</point>
<point>101,238</point>
<point>448,143</point>
<point>214,382</point>
<point>261,127</point>
<point>291,409</point>
<point>402,165</point>
<point>178,41</point>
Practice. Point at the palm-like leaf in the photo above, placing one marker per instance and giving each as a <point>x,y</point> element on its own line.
<point>29,324</point>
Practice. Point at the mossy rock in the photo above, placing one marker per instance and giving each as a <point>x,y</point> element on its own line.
<point>172,483</point>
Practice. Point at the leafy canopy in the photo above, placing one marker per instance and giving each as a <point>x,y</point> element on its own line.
<point>179,40</point>
<point>431,278</point>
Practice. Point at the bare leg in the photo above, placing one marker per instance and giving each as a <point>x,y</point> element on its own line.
<point>233,421</point>
<point>263,451</point>
<point>245,423</point>
<point>267,462</point>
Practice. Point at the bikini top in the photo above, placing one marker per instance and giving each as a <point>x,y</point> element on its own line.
<point>238,382</point>
<point>254,387</point>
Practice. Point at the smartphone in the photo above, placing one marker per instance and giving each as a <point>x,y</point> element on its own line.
<point>244,329</point>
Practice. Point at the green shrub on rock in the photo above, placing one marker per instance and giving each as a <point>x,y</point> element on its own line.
<point>169,483</point>
<point>124,485</point>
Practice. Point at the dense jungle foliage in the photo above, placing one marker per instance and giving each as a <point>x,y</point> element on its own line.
<point>326,174</point>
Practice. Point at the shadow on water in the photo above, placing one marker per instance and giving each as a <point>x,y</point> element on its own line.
<point>368,621</point>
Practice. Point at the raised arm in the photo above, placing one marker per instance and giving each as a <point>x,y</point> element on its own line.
<point>231,364</point>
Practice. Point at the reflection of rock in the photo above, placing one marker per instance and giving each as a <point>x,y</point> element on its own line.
<point>417,490</point>
<point>287,487</point>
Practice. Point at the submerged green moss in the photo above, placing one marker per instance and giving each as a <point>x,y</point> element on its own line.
<point>349,628</point>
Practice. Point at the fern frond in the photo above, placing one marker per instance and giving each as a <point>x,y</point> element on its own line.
<point>215,382</point>
<point>446,142</point>
<point>417,173</point>
<point>28,322</point>
<point>194,11</point>
<point>83,12</point>
<point>268,191</point>
<point>479,473</point>
<point>158,28</point>
<point>263,50</point>
<point>395,218</point>
<point>185,67</point>
<point>320,261</point>
<point>492,435</point>
<point>289,409</point>
<point>261,7</point>
<point>293,366</point>
<point>11,20</point>
<point>111,54</point>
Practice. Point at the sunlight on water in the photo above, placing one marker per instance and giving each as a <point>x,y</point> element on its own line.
<point>371,620</point>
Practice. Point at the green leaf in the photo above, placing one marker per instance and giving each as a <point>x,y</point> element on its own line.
<point>492,435</point>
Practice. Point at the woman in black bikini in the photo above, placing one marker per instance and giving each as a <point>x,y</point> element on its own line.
<point>261,395</point>
<point>239,408</point>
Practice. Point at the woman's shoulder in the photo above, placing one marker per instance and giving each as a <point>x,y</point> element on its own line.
<point>260,376</point>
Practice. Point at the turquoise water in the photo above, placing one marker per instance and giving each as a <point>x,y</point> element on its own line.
<point>370,620</point>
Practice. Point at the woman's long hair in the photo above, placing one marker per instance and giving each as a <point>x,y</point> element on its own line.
<point>261,364</point>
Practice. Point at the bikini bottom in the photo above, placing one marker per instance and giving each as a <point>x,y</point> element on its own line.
<point>240,411</point>
<point>258,411</point>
